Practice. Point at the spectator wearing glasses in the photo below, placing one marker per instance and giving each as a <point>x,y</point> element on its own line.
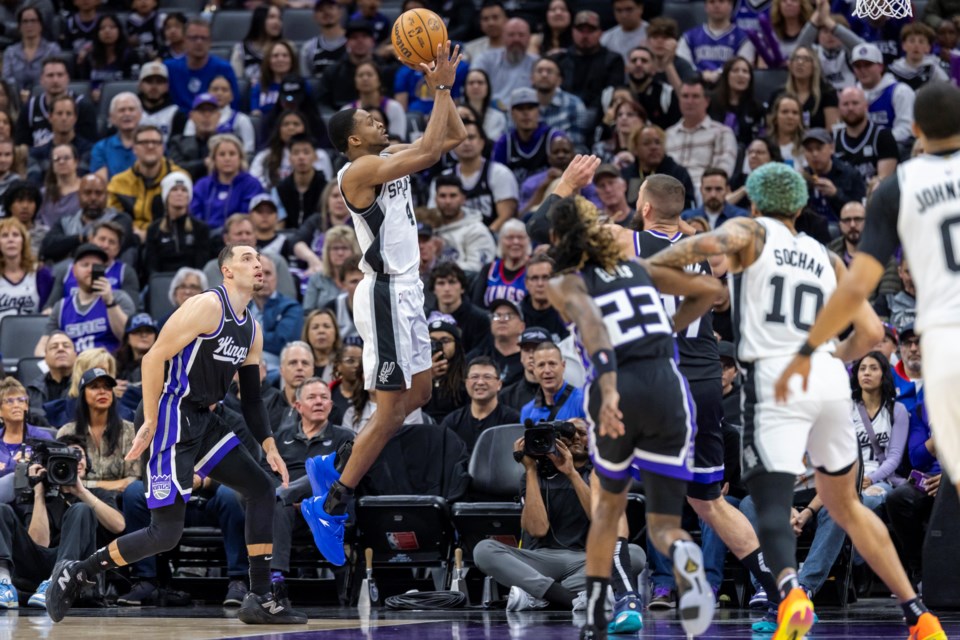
<point>187,282</point>
<point>192,74</point>
<point>15,430</point>
<point>852,218</point>
<point>177,239</point>
<point>899,308</point>
<point>485,409</point>
<point>506,326</point>
<point>588,67</point>
<point>137,191</point>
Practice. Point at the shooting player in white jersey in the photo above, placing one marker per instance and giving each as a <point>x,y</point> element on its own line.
<point>388,303</point>
<point>918,207</point>
<point>781,280</point>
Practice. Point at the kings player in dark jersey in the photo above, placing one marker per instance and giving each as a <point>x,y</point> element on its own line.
<point>622,325</point>
<point>203,345</point>
<point>659,203</point>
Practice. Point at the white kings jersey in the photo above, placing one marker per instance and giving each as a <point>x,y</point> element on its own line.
<point>776,299</point>
<point>929,228</point>
<point>387,229</point>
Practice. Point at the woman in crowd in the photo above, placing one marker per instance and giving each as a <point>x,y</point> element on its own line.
<point>505,276</point>
<point>881,422</point>
<point>818,100</point>
<point>229,187</point>
<point>9,98</point>
<point>235,122</point>
<point>340,243</point>
<point>785,128</point>
<point>787,18</point>
<point>369,87</point>
<point>272,165</point>
<point>333,212</point>
<point>26,283</point>
<point>140,334</point>
<point>22,61</point>
<point>345,382</point>
<point>320,331</point>
<point>187,282</point>
<point>279,63</point>
<point>22,201</point>
<point>557,34</point>
<point>14,431</point>
<point>734,103</point>
<point>266,26</point>
<point>449,371</point>
<point>759,152</point>
<point>174,36</point>
<point>177,239</point>
<point>60,186</point>
<point>628,116</point>
<point>110,58</point>
<point>108,437</point>
<point>477,95</point>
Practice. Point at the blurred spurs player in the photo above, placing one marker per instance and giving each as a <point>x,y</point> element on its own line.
<point>780,282</point>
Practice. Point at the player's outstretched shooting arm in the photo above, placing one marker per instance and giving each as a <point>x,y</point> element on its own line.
<point>568,294</point>
<point>444,131</point>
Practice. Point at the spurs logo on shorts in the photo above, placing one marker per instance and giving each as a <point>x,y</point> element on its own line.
<point>386,371</point>
<point>160,487</point>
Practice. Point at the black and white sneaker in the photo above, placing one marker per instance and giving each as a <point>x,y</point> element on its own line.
<point>268,610</point>
<point>65,584</point>
<point>236,592</point>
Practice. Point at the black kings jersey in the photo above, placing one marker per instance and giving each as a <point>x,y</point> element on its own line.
<point>636,321</point>
<point>201,373</point>
<point>699,352</point>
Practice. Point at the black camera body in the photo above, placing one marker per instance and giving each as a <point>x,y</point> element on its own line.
<point>61,462</point>
<point>540,440</point>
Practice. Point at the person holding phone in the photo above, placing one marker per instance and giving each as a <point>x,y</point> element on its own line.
<point>95,315</point>
<point>449,369</point>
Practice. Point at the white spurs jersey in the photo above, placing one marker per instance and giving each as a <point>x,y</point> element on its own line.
<point>929,228</point>
<point>387,229</point>
<point>776,299</point>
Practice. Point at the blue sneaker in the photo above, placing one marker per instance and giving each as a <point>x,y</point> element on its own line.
<point>39,599</point>
<point>327,529</point>
<point>322,473</point>
<point>626,615</point>
<point>768,623</point>
<point>8,596</point>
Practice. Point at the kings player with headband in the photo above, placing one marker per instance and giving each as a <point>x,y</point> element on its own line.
<point>388,303</point>
<point>207,341</point>
<point>781,279</point>
<point>916,206</point>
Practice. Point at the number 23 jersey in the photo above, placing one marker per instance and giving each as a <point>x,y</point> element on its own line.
<point>633,313</point>
<point>387,229</point>
<point>775,301</point>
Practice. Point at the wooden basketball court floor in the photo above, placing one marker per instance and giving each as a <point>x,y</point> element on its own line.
<point>866,620</point>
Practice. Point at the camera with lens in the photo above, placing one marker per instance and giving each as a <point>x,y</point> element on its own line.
<point>60,461</point>
<point>540,440</point>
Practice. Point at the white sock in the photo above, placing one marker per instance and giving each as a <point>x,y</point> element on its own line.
<point>5,572</point>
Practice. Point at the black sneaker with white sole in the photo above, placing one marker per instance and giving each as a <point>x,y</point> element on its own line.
<point>236,592</point>
<point>268,610</point>
<point>65,584</point>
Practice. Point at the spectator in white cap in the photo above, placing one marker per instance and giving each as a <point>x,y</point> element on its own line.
<point>890,102</point>
<point>177,239</point>
<point>153,90</point>
<point>523,147</point>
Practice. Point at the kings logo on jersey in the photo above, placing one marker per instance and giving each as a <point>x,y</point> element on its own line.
<point>160,487</point>
<point>227,351</point>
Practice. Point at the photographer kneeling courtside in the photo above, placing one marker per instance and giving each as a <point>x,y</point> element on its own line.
<point>548,568</point>
<point>54,516</point>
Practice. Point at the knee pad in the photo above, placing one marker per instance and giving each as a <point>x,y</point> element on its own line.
<point>165,535</point>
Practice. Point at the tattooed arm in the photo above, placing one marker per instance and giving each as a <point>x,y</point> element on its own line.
<point>740,239</point>
<point>569,295</point>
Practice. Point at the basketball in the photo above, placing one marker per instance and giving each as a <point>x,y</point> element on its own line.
<point>416,35</point>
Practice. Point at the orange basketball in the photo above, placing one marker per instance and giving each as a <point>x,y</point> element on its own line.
<point>416,35</point>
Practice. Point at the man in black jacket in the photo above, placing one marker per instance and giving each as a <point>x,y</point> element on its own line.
<point>485,410</point>
<point>448,283</point>
<point>33,127</point>
<point>524,390</point>
<point>588,67</point>
<point>655,95</point>
<point>59,354</point>
<point>832,183</point>
<point>337,87</point>
<point>70,231</point>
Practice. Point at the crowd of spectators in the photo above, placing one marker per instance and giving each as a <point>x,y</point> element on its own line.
<point>133,146</point>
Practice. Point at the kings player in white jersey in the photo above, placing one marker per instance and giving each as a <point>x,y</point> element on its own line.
<point>388,303</point>
<point>918,207</point>
<point>780,281</point>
